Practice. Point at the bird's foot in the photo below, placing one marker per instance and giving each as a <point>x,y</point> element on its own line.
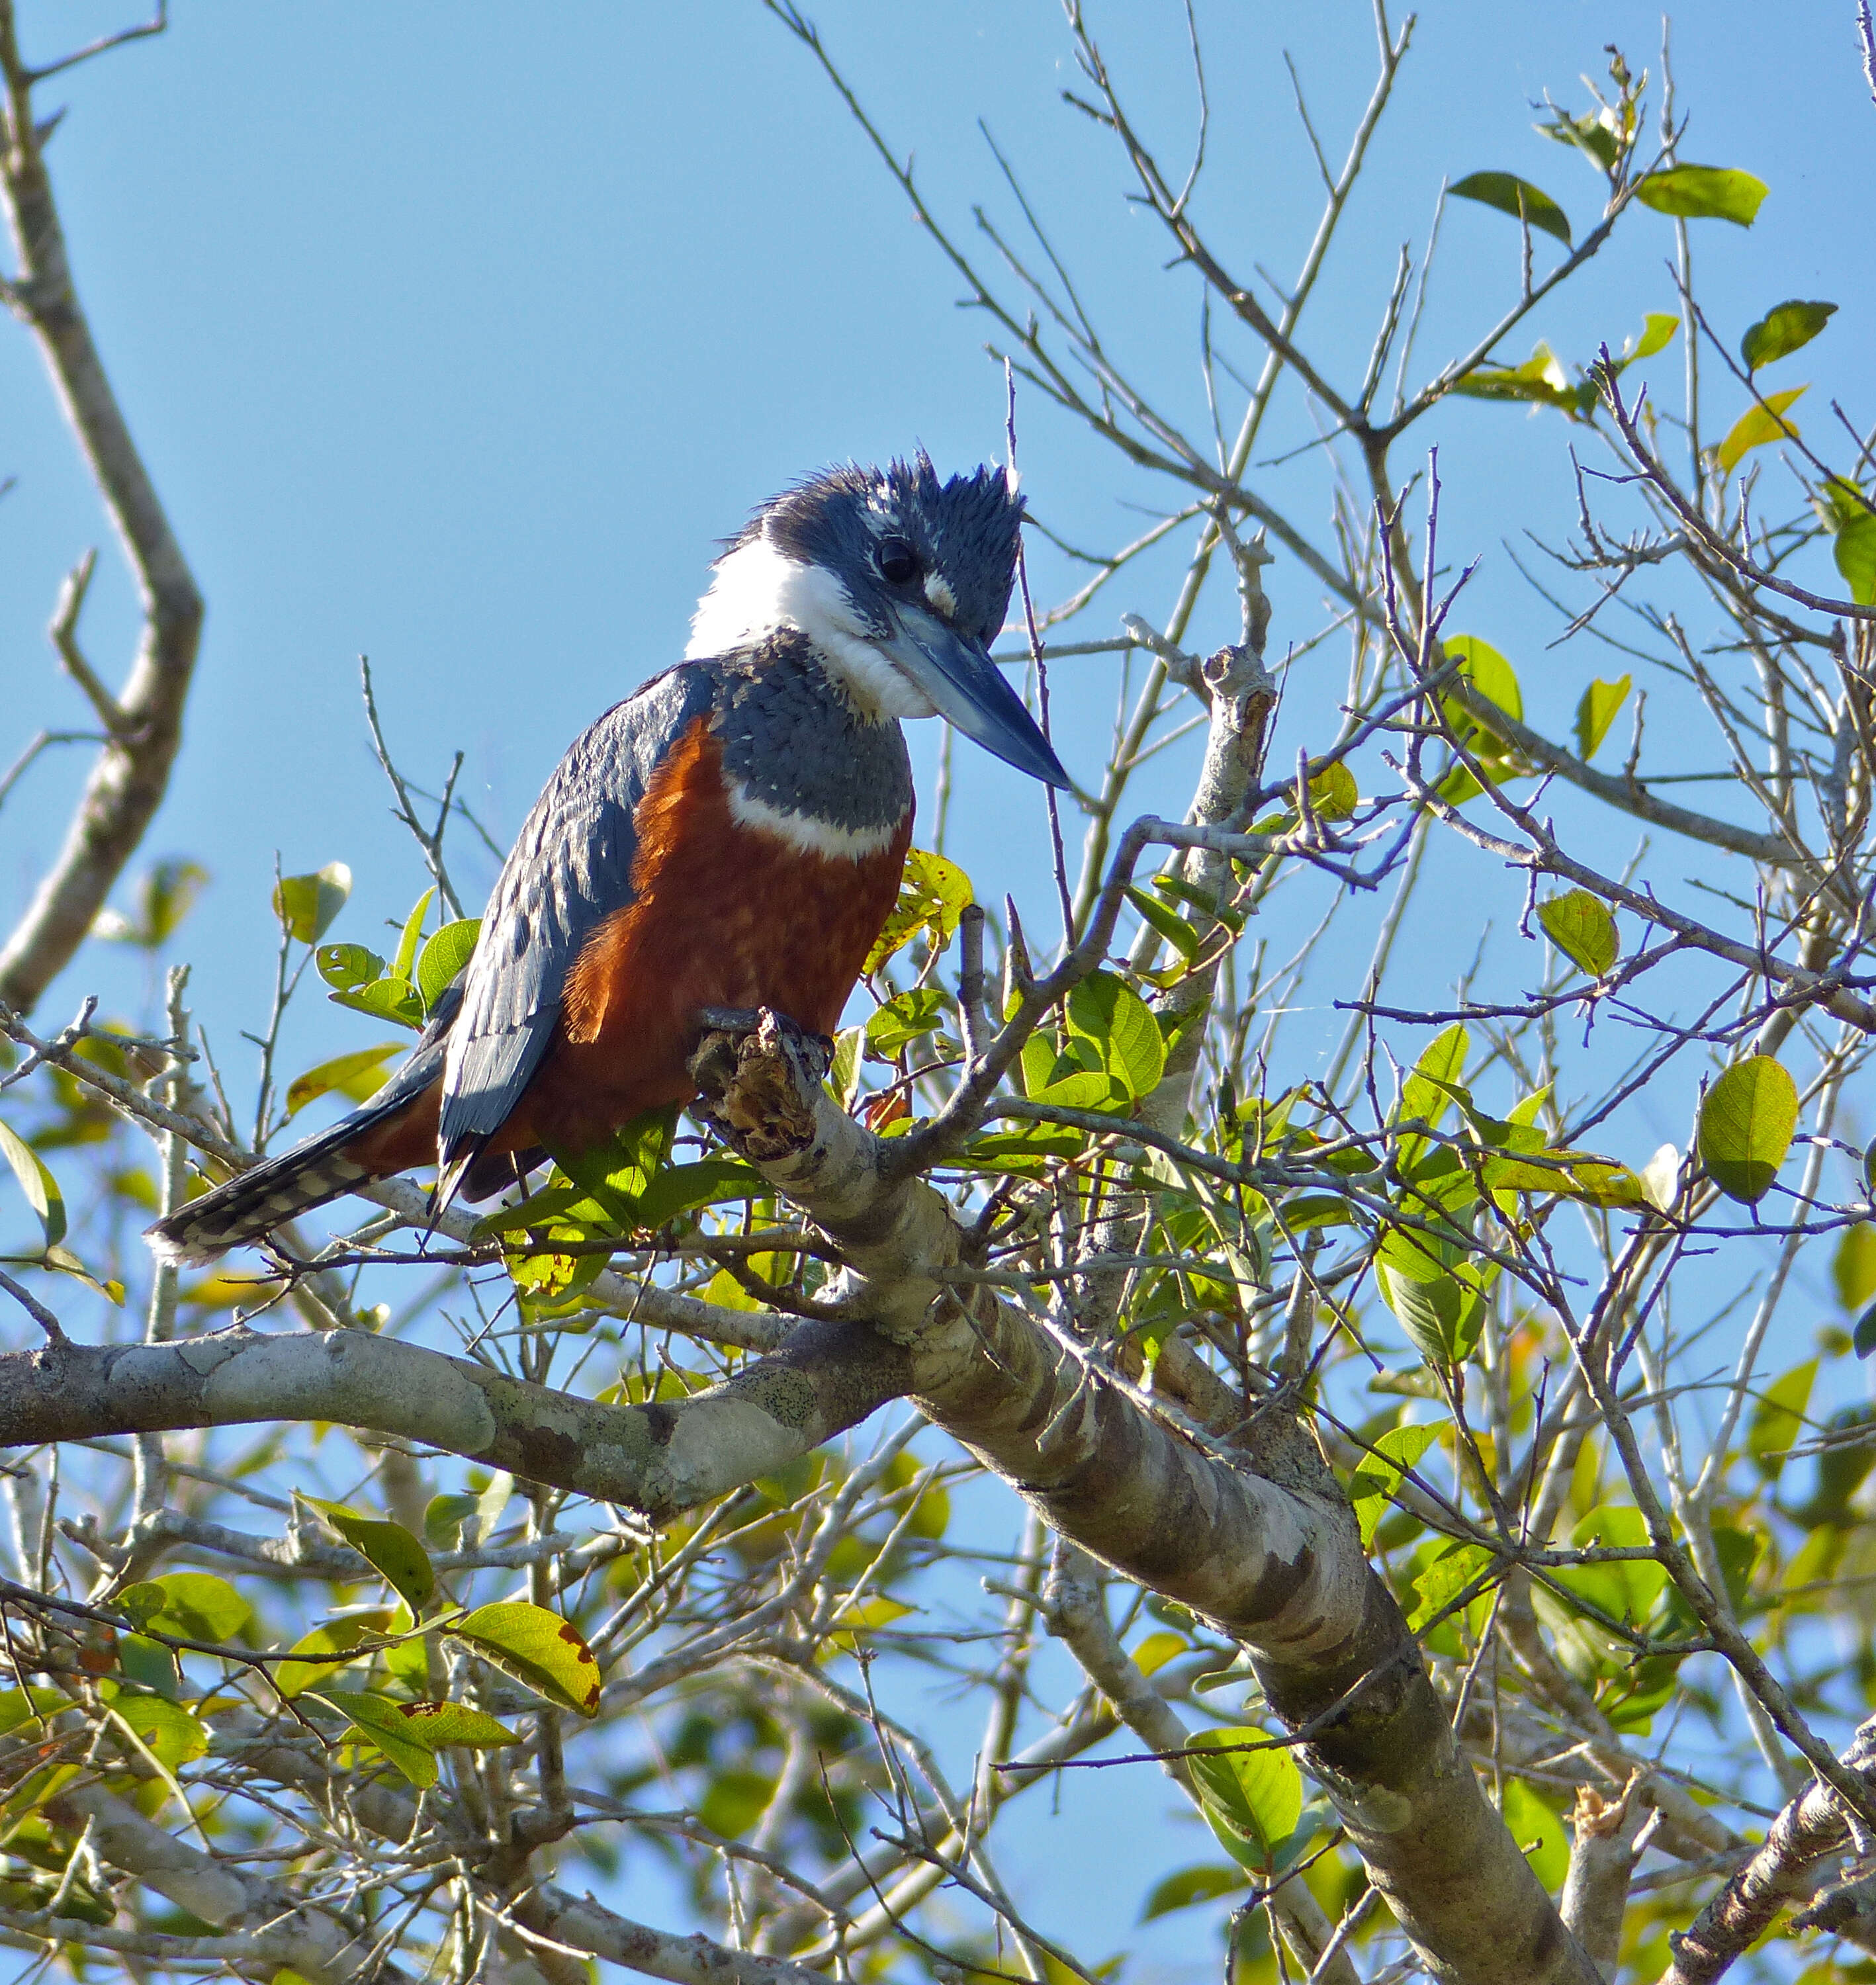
<point>758,1074</point>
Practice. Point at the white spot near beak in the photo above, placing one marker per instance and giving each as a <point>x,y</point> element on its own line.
<point>757,591</point>
<point>938,591</point>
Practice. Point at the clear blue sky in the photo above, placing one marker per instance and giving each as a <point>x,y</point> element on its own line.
<point>457,336</point>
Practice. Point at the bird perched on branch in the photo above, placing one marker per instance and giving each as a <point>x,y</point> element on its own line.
<point>732,835</point>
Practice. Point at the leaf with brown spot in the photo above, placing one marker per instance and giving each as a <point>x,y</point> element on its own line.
<point>538,1649</point>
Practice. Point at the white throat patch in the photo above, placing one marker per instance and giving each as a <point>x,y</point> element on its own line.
<point>756,591</point>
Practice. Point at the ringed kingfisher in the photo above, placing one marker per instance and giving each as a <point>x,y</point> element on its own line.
<point>732,835</point>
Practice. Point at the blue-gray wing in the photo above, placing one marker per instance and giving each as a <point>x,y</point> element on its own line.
<point>569,869</point>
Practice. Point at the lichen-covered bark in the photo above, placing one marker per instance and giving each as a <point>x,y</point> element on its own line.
<point>1261,1540</point>
<point>661,1459</point>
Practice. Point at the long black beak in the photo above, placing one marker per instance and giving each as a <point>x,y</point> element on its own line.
<point>968,690</point>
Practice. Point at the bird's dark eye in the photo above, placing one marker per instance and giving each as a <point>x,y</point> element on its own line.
<point>899,563</point>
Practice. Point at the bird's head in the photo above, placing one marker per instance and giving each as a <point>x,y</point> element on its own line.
<point>902,582</point>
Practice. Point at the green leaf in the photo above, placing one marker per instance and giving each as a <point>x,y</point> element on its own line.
<point>1777,1422</point>
<point>1855,552</point>
<point>1862,1339</point>
<point>1253,1798</point>
<point>388,1547</point>
<point>1334,792</point>
<point>197,1606</point>
<point>1629,1589</point>
<point>1518,198</point>
<point>1491,675</point>
<point>1747,1123</point>
<point>346,967</point>
<point>1441,1314</point>
<point>340,1639</point>
<point>1539,1834</point>
<point>683,1188</point>
<point>538,1649</point>
<point>907,1018</point>
<point>933,895</point>
<point>388,999</point>
<point>1853,1268</point>
<point>1182,936</point>
<point>375,1720</point>
<point>1442,1579</point>
<point>359,1075</point>
<point>141,1603</point>
<point>1380,1472</point>
<point>1427,1095</point>
<point>440,1724</point>
<point>1540,381</point>
<point>443,1516</point>
<point>1579,925</point>
<point>1783,330</point>
<point>306,905</point>
<point>1188,1885</point>
<point>1596,712</point>
<point>1575,1175</point>
<point>1593,134</point>
<point>1024,1152</point>
<point>1759,425</point>
<point>1087,1089</point>
<point>444,957</point>
<point>165,893</point>
<point>37,1183</point>
<point>404,964</point>
<point>166,1730</point>
<point>1657,327</point>
<point>1703,193</point>
<point>1105,1010</point>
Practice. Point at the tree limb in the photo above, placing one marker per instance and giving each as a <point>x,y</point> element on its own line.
<point>127,784</point>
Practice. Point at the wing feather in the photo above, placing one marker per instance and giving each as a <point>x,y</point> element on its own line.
<point>570,868</point>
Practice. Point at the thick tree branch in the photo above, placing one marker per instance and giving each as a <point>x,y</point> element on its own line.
<point>661,1458</point>
<point>1262,1543</point>
<point>127,783</point>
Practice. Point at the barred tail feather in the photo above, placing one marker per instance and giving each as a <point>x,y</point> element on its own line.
<point>250,1207</point>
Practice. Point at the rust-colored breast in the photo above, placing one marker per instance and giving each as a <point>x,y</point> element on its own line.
<point>722,914</point>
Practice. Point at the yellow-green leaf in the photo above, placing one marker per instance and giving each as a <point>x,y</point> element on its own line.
<point>306,905</point>
<point>1855,554</point>
<point>538,1649</point>
<point>375,1720</point>
<point>404,964</point>
<point>1380,1474</point>
<point>1703,193</point>
<point>172,1736</point>
<point>1188,1885</point>
<point>388,1547</point>
<point>1853,1268</point>
<point>1758,425</point>
<point>359,1075</point>
<point>933,895</point>
<point>444,957</point>
<point>1539,1834</point>
<point>1596,711</point>
<point>1747,1123</point>
<point>1783,330</point>
<point>198,1606</point>
<point>1518,198</point>
<point>37,1183</point>
<point>1777,1422</point>
<point>340,1640</point>
<point>1105,1010</point>
<point>1582,929</point>
<point>1252,1798</point>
